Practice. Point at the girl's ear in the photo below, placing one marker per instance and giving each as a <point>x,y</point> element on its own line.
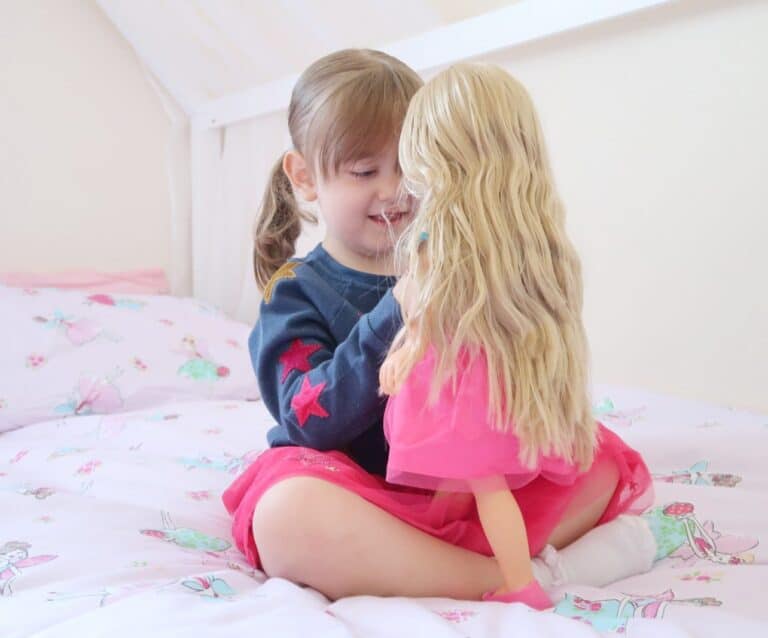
<point>295,167</point>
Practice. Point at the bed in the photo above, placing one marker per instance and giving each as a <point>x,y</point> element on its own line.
<point>124,417</point>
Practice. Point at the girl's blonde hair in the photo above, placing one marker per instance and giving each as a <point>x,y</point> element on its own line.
<point>344,107</point>
<point>496,275</point>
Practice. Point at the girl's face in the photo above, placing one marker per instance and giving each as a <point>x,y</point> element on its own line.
<point>363,211</point>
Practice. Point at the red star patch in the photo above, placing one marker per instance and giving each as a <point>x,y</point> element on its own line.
<point>305,401</point>
<point>296,357</point>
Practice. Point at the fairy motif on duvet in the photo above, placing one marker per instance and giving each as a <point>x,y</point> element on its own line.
<point>186,537</point>
<point>93,395</point>
<point>40,493</point>
<point>109,300</point>
<point>679,534</point>
<point>76,331</point>
<point>226,463</point>
<point>697,475</point>
<point>209,585</point>
<point>606,412</point>
<point>612,614</point>
<point>200,366</point>
<point>14,556</point>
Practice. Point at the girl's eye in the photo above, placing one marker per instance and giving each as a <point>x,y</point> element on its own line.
<point>362,174</point>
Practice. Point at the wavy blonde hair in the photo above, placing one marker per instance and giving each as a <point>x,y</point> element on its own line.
<point>496,276</point>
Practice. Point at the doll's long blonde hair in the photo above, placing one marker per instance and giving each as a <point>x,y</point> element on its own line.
<point>496,275</point>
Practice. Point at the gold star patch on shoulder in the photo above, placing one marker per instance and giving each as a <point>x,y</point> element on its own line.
<point>286,271</point>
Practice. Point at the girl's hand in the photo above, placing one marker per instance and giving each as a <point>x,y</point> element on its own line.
<point>405,290</point>
<point>405,294</point>
<point>389,372</point>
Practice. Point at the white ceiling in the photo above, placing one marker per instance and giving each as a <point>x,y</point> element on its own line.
<point>201,50</point>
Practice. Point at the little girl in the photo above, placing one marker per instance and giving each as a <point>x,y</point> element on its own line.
<point>315,508</point>
<point>488,377</point>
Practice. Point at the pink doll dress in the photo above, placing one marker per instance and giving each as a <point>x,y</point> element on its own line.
<point>446,445</point>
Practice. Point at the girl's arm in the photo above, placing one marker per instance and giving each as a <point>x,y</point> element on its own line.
<point>504,527</point>
<point>322,389</point>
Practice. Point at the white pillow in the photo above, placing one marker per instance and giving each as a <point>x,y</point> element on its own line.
<point>65,353</point>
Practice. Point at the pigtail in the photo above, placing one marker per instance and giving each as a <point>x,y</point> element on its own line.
<point>277,227</point>
<point>344,106</point>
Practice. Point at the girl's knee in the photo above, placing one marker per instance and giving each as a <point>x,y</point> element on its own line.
<point>291,523</point>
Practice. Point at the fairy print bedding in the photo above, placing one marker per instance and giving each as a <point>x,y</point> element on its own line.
<point>114,522</point>
<point>111,523</point>
<point>67,352</point>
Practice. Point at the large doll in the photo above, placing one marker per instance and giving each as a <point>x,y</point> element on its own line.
<point>488,376</point>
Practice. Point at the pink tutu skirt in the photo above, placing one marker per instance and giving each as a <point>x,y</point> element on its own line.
<point>451,518</point>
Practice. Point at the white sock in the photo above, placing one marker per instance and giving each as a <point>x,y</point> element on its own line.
<point>619,549</point>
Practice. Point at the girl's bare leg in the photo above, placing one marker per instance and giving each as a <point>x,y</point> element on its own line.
<point>587,506</point>
<point>316,533</point>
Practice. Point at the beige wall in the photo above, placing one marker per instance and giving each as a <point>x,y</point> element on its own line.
<point>657,131</point>
<point>82,144</point>
<point>658,135</point>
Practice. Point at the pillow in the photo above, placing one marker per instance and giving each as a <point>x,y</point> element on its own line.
<point>68,353</point>
<point>151,281</point>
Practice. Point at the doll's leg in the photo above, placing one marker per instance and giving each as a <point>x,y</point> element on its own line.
<point>316,533</point>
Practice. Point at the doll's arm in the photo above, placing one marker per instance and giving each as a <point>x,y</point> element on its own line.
<point>504,527</point>
<point>503,524</point>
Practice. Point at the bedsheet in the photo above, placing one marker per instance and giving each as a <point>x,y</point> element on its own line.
<point>113,524</point>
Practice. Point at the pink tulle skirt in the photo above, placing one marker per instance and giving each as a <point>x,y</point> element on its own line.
<point>453,517</point>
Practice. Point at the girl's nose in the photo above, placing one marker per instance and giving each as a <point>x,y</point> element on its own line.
<point>389,187</point>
